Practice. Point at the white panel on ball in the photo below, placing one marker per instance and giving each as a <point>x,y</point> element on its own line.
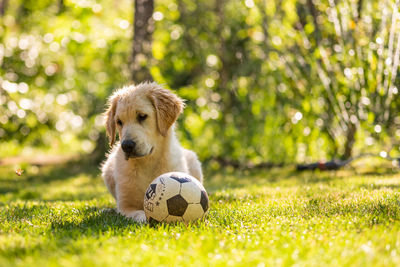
<point>193,212</point>
<point>190,192</point>
<point>173,187</point>
<point>175,197</point>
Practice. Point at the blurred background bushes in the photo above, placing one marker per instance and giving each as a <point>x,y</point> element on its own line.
<point>265,81</point>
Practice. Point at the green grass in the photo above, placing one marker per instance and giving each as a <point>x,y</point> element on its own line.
<point>61,216</point>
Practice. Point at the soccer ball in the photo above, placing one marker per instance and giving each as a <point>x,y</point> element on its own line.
<point>175,197</point>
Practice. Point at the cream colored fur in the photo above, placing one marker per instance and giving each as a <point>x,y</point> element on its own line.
<point>157,149</point>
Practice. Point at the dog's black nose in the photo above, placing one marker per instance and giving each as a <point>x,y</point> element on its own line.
<point>128,146</point>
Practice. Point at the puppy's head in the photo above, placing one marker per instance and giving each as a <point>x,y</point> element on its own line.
<point>142,115</point>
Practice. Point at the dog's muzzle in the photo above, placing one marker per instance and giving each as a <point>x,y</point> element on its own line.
<point>130,150</point>
<point>128,146</point>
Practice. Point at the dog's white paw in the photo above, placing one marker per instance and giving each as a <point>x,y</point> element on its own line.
<point>137,215</point>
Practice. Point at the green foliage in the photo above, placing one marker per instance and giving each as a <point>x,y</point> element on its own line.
<point>345,55</point>
<point>276,81</point>
<point>62,216</point>
<point>58,67</point>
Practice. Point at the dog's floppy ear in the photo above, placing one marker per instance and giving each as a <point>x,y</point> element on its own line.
<point>110,118</point>
<point>168,106</point>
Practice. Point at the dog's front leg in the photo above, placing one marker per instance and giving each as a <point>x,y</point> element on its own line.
<point>137,215</point>
<point>129,206</point>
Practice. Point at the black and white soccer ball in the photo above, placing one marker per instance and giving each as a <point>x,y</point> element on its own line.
<point>175,197</point>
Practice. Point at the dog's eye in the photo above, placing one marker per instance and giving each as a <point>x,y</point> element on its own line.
<point>119,122</point>
<point>142,117</point>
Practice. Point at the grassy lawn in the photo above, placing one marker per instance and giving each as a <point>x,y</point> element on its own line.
<point>61,216</point>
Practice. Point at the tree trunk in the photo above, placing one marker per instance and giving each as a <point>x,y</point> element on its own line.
<point>359,8</point>
<point>350,139</point>
<point>314,13</point>
<point>99,153</point>
<point>61,6</point>
<point>140,58</point>
<point>142,38</point>
<point>3,7</point>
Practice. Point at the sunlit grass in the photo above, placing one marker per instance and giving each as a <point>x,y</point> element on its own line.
<point>61,216</point>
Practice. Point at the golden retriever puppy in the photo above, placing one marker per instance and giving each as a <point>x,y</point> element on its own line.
<point>144,117</point>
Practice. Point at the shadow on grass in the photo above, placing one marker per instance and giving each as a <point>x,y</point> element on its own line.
<point>286,176</point>
<point>94,222</point>
<point>377,173</point>
<point>89,219</point>
<point>64,230</point>
<point>312,177</point>
<point>379,186</point>
<point>272,177</point>
<point>103,220</point>
<point>46,175</point>
<point>64,172</point>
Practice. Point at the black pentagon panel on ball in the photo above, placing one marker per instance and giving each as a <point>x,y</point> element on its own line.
<point>204,201</point>
<point>181,179</point>
<point>151,191</point>
<point>177,205</point>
